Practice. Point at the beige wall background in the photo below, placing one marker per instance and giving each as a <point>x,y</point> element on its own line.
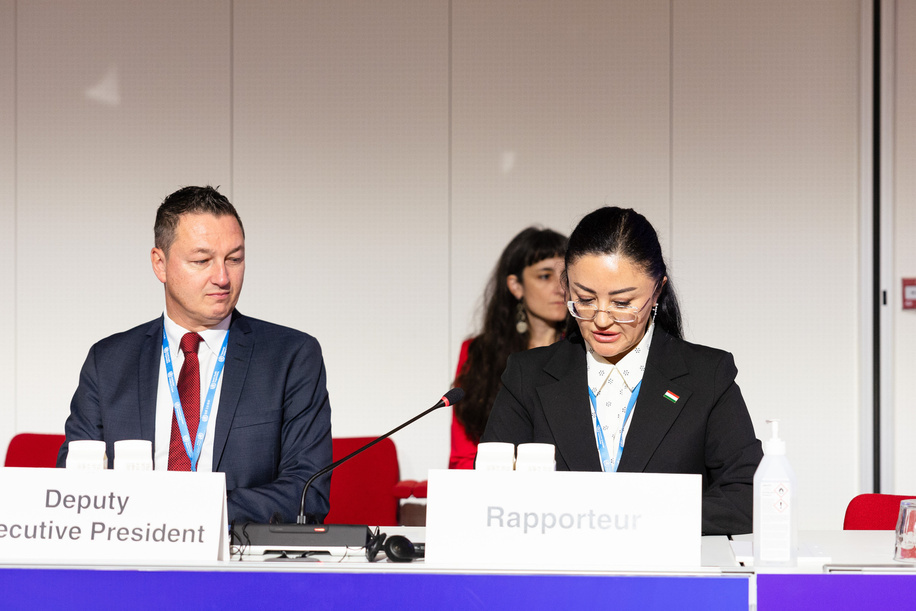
<point>381,155</point>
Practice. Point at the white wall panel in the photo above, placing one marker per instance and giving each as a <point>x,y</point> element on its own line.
<point>380,172</point>
<point>765,220</point>
<point>341,175</point>
<point>558,108</point>
<point>904,331</point>
<point>7,220</point>
<point>120,103</point>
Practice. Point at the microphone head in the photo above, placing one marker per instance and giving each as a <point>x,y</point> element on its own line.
<point>453,396</point>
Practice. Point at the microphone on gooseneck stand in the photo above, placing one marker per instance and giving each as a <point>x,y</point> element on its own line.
<point>307,535</point>
<point>450,398</point>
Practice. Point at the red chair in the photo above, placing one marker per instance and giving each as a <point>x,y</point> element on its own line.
<point>33,450</point>
<point>873,512</point>
<point>363,488</point>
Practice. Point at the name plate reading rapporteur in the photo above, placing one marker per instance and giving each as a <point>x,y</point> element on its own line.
<point>570,520</point>
<point>80,516</point>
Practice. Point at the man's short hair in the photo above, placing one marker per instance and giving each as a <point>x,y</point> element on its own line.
<point>189,200</point>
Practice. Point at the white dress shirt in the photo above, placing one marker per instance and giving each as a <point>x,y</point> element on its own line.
<point>207,354</point>
<point>613,386</point>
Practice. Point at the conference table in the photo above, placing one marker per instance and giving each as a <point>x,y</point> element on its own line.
<point>837,570</point>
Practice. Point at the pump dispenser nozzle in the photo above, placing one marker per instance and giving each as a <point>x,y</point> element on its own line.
<point>774,446</point>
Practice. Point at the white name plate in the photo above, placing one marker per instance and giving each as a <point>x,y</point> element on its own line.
<point>565,520</point>
<point>148,517</point>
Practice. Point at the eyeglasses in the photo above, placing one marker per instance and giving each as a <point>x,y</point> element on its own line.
<point>617,313</point>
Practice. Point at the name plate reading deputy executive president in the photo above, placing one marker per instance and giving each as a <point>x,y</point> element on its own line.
<point>149,517</point>
<point>565,520</point>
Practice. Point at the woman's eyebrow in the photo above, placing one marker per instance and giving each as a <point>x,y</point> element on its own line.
<point>584,288</point>
<point>617,292</point>
<point>626,290</point>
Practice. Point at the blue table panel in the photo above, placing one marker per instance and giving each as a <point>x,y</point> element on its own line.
<point>836,592</point>
<point>222,590</point>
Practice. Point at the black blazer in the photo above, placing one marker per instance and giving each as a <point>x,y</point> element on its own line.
<point>272,429</point>
<point>544,398</point>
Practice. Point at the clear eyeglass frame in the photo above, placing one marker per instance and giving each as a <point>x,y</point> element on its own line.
<point>619,314</point>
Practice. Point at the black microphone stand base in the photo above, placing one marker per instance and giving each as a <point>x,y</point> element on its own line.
<point>335,539</point>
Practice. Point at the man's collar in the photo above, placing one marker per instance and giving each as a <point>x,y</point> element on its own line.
<point>213,337</point>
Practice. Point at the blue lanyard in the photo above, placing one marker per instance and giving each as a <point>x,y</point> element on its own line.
<point>606,464</point>
<point>193,452</point>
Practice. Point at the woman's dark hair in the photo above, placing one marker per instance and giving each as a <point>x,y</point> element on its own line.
<point>489,351</point>
<point>626,233</point>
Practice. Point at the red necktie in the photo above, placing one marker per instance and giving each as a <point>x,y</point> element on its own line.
<point>189,393</point>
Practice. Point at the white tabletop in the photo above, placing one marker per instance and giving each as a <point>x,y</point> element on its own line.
<point>833,550</point>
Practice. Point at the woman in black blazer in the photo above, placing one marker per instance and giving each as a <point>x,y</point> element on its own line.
<point>624,391</point>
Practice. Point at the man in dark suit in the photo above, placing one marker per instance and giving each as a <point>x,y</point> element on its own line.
<point>251,398</point>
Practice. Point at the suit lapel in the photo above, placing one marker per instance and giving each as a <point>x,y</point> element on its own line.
<point>654,413</point>
<point>238,357</point>
<point>148,379</point>
<point>566,407</point>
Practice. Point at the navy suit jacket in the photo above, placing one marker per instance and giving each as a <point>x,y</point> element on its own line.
<point>273,426</point>
<point>544,398</point>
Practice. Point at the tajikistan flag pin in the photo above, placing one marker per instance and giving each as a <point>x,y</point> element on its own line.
<point>671,396</point>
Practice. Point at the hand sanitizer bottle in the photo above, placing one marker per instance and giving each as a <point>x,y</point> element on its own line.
<point>775,520</point>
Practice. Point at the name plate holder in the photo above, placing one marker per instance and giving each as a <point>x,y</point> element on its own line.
<point>122,517</point>
<point>563,520</point>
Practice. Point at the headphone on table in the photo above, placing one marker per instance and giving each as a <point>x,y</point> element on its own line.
<point>397,547</point>
<point>401,549</point>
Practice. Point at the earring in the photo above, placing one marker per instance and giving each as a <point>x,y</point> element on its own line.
<point>654,311</point>
<point>521,318</point>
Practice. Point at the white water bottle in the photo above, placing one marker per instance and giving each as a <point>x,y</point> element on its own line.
<point>775,519</point>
